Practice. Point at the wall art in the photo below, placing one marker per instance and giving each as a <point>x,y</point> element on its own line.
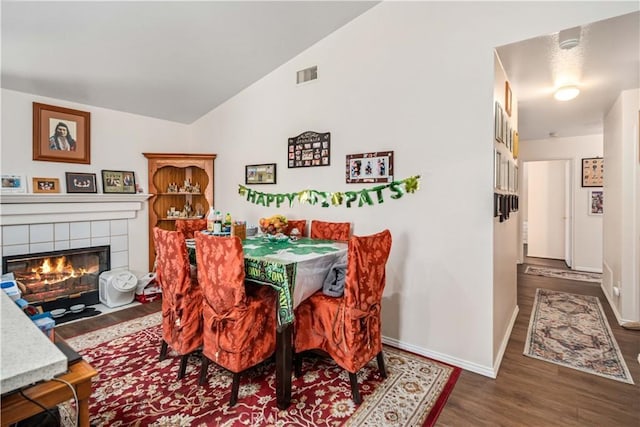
<point>46,185</point>
<point>370,167</point>
<point>81,182</point>
<point>593,172</point>
<point>309,149</point>
<point>118,182</point>
<point>61,134</point>
<point>260,174</point>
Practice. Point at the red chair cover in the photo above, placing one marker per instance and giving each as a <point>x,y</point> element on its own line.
<point>348,328</point>
<point>300,224</point>
<point>239,327</point>
<point>189,226</point>
<point>330,230</point>
<point>181,297</point>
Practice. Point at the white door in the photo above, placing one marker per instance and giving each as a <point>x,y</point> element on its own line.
<point>546,209</point>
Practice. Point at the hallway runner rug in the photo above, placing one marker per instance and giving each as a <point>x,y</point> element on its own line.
<point>559,273</point>
<point>572,331</point>
<point>134,389</point>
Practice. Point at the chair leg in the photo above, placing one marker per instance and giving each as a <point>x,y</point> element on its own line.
<point>381,368</point>
<point>297,364</point>
<point>204,367</point>
<point>163,350</point>
<point>355,392</point>
<point>235,387</point>
<point>183,365</point>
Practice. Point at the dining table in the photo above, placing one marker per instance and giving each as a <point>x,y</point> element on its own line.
<point>296,269</point>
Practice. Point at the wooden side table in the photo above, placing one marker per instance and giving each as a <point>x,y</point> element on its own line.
<point>15,408</point>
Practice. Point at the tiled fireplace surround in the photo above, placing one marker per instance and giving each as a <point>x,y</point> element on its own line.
<point>32,223</point>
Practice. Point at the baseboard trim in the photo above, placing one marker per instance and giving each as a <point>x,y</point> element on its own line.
<point>487,371</point>
<point>505,341</point>
<point>616,313</point>
<point>587,269</point>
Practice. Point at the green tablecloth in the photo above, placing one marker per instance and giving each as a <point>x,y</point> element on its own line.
<point>276,264</point>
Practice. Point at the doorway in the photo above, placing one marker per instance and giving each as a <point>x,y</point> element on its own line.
<point>548,212</point>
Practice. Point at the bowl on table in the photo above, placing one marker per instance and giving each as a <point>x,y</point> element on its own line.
<point>252,230</point>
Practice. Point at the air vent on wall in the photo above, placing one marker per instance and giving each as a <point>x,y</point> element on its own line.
<point>307,74</point>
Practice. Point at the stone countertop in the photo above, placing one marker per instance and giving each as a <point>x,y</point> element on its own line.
<point>27,355</point>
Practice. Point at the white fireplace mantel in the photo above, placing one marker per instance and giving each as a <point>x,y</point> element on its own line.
<point>17,209</point>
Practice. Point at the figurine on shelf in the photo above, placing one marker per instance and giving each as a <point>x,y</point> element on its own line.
<point>196,188</point>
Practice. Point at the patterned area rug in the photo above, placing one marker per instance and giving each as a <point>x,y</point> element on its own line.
<point>572,331</point>
<point>558,273</point>
<point>134,389</point>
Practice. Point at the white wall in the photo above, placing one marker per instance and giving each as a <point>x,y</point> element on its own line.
<point>416,78</point>
<point>622,239</point>
<point>505,236</point>
<point>117,142</point>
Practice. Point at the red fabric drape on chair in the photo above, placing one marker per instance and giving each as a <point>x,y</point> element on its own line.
<point>239,326</point>
<point>181,296</point>
<point>330,230</point>
<point>189,226</point>
<point>348,328</point>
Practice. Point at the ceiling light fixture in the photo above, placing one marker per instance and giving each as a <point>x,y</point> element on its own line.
<point>566,93</point>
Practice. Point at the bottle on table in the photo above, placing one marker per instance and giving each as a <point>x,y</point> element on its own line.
<point>211,217</point>
<point>217,224</point>
<point>227,223</point>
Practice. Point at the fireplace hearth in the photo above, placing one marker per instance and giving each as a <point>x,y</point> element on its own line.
<point>59,279</point>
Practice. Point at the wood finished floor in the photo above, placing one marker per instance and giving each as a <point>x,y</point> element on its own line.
<point>527,392</point>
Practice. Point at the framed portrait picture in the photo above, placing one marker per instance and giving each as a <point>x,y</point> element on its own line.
<point>118,182</point>
<point>497,126</point>
<point>260,174</point>
<point>46,185</point>
<point>593,172</point>
<point>13,184</point>
<point>81,182</point>
<point>61,134</point>
<point>309,149</point>
<point>596,202</point>
<point>370,167</point>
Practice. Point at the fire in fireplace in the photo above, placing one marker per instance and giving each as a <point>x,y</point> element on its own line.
<point>59,279</point>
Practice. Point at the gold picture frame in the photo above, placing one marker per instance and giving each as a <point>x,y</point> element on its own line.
<point>45,185</point>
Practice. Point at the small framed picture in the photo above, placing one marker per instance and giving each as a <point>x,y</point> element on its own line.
<point>13,184</point>
<point>118,182</point>
<point>596,202</point>
<point>260,174</point>
<point>508,98</point>
<point>61,134</point>
<point>46,185</point>
<point>81,182</point>
<point>370,167</point>
<point>593,172</point>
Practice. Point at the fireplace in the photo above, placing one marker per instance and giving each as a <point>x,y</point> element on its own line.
<point>59,279</point>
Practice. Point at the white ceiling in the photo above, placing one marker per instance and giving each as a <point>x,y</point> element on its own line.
<point>179,60</point>
<point>606,62</point>
<point>170,60</point>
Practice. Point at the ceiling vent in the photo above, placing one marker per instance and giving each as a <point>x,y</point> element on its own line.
<point>568,39</point>
<point>307,74</point>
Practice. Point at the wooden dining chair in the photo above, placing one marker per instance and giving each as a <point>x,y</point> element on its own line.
<point>348,328</point>
<point>189,226</point>
<point>181,297</point>
<point>300,224</point>
<point>239,326</point>
<point>330,230</point>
